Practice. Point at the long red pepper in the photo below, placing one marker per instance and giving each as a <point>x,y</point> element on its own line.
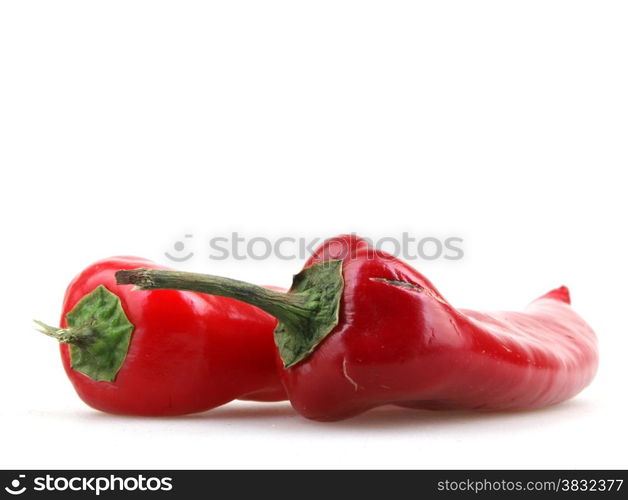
<point>360,329</point>
<point>164,352</point>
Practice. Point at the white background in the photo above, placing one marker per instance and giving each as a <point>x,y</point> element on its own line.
<point>126,124</point>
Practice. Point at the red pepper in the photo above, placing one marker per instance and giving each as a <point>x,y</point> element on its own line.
<point>163,352</point>
<point>361,329</point>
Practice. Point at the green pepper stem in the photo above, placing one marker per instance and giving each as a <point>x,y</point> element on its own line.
<point>306,314</point>
<point>286,307</point>
<point>70,335</point>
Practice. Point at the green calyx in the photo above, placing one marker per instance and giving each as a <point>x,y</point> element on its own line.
<point>98,333</point>
<point>321,285</point>
<point>306,314</point>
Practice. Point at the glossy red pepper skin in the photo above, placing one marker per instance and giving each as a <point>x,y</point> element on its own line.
<point>188,352</point>
<point>398,341</point>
